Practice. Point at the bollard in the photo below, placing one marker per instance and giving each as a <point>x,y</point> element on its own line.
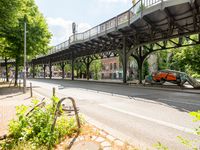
<point>31,90</point>
<point>54,91</point>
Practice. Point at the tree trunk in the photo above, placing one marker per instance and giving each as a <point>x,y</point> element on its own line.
<point>63,70</point>
<point>16,69</point>
<point>88,71</point>
<point>140,69</point>
<point>6,64</point>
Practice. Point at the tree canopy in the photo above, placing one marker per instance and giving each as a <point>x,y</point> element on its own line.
<point>13,15</point>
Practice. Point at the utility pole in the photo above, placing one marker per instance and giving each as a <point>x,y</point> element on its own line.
<point>24,80</point>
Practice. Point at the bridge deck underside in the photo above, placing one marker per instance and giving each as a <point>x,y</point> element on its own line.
<point>172,19</point>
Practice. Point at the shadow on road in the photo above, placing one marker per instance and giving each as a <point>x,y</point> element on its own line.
<point>182,101</point>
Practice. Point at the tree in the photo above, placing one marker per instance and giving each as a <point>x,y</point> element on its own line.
<point>8,14</point>
<point>162,59</point>
<point>38,36</point>
<point>96,67</point>
<point>187,59</point>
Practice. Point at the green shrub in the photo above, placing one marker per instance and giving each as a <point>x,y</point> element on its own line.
<point>36,128</point>
<point>197,76</point>
<point>190,144</point>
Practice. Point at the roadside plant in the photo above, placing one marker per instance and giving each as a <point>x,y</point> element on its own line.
<point>34,130</point>
<point>190,144</point>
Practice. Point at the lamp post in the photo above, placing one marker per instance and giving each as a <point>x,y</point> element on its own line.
<point>24,75</point>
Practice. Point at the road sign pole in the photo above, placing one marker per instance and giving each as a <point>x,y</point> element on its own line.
<point>24,79</point>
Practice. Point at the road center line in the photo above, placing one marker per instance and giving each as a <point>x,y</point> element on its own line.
<point>188,130</point>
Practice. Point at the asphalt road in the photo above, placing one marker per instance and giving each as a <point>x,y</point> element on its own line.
<point>139,116</point>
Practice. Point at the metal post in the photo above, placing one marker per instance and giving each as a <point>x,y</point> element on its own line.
<point>44,69</point>
<point>140,65</point>
<point>33,70</point>
<point>24,81</point>
<point>72,77</point>
<point>88,68</point>
<point>6,65</point>
<point>63,70</point>
<point>31,90</point>
<point>124,60</point>
<point>54,91</point>
<point>50,70</point>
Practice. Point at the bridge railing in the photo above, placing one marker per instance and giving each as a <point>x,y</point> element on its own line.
<point>113,23</point>
<point>149,3</point>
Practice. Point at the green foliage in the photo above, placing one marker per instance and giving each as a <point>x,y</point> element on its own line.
<point>13,15</point>
<point>68,68</point>
<point>190,144</point>
<point>196,116</point>
<point>145,69</point>
<point>36,128</point>
<point>160,146</point>
<point>96,67</point>
<point>187,59</point>
<point>162,60</point>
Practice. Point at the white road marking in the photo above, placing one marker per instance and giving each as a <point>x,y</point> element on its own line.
<point>184,129</point>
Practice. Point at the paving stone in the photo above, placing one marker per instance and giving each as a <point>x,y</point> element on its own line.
<point>110,137</point>
<point>105,144</point>
<point>107,148</point>
<point>93,138</point>
<point>85,145</point>
<point>119,143</point>
<point>100,139</point>
<point>95,129</point>
<point>103,133</point>
<point>81,138</point>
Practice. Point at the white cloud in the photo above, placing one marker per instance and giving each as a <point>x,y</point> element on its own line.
<point>62,29</point>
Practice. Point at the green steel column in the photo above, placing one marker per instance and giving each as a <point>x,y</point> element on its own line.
<point>44,69</point>
<point>33,70</point>
<point>72,62</point>
<point>63,70</point>
<point>50,69</point>
<point>88,68</point>
<point>140,65</point>
<point>124,60</point>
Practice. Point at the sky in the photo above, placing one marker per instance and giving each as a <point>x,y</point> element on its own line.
<point>85,13</point>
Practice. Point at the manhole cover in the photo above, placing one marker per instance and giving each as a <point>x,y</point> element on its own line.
<point>86,145</point>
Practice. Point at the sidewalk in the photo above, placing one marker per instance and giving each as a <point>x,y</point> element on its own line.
<point>10,97</point>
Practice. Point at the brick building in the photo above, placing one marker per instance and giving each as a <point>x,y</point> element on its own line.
<point>111,68</point>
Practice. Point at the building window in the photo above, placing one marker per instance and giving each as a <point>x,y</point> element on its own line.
<point>115,66</point>
<point>110,75</point>
<point>114,76</point>
<point>110,66</point>
<point>102,75</point>
<point>104,68</point>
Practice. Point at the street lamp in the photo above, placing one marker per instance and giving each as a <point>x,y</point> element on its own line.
<point>24,76</point>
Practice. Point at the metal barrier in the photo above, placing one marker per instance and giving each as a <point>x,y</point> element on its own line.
<point>41,104</point>
<point>57,114</point>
